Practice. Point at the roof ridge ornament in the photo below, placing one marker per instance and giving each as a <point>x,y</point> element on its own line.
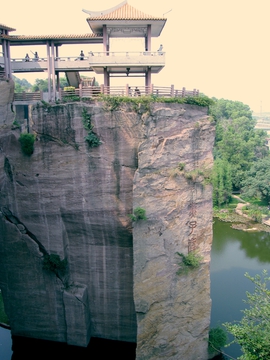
<point>104,12</point>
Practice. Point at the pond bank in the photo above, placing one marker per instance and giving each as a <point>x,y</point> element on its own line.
<point>240,222</point>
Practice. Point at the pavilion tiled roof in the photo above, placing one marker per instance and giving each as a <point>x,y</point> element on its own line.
<point>50,37</point>
<point>8,28</point>
<point>125,12</point>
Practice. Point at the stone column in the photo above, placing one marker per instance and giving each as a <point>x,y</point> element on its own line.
<point>173,310</point>
<point>49,69</point>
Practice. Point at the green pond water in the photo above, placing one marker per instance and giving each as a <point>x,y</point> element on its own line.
<point>233,253</point>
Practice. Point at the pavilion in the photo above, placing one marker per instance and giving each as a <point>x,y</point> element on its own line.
<point>121,21</point>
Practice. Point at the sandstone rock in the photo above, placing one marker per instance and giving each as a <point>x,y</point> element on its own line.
<point>72,200</point>
<point>6,98</point>
<point>173,310</point>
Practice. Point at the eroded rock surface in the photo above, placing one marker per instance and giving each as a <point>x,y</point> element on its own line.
<point>72,200</point>
<point>173,310</point>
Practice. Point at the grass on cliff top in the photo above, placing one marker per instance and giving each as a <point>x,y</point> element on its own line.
<point>115,101</point>
<point>3,315</point>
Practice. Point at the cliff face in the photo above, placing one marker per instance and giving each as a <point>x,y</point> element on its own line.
<point>173,310</point>
<point>73,201</point>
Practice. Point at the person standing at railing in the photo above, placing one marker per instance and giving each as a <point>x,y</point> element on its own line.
<point>160,50</point>
<point>137,92</point>
<point>81,55</point>
<point>36,57</point>
<point>26,57</point>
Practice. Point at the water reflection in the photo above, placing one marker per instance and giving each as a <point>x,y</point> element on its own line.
<point>255,244</point>
<point>5,344</point>
<point>233,253</point>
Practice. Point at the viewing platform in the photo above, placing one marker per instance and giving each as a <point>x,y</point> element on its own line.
<point>91,92</point>
<point>115,62</point>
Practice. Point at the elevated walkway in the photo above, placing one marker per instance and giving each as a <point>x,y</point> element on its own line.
<point>73,78</point>
<point>115,62</point>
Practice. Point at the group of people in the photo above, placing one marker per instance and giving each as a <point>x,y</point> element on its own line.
<point>27,58</point>
<point>136,91</point>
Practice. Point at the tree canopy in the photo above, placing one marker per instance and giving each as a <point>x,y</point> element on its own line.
<point>257,181</point>
<point>21,84</point>
<point>252,332</point>
<point>237,143</point>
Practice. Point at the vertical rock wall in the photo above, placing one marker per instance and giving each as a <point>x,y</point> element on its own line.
<point>175,161</point>
<point>73,201</point>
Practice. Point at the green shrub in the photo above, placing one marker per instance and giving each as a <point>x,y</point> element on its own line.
<point>181,166</point>
<point>217,339</point>
<point>71,98</point>
<point>189,262</point>
<point>69,88</point>
<point>52,262</point>
<point>15,124</point>
<point>93,140</point>
<point>27,143</point>
<point>138,214</point>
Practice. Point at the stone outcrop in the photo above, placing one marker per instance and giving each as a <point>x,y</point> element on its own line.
<point>173,310</point>
<point>68,199</point>
<point>6,99</point>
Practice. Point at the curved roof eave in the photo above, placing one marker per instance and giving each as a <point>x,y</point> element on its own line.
<point>8,28</point>
<point>57,39</point>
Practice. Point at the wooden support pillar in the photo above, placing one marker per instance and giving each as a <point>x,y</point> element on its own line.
<point>53,72</point>
<point>49,70</point>
<point>172,90</point>
<point>148,77</point>
<point>6,53</point>
<point>149,38</point>
<point>57,74</point>
<point>9,60</point>
<point>106,44</point>
<point>106,77</point>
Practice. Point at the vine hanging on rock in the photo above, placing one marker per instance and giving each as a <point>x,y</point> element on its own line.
<point>91,138</point>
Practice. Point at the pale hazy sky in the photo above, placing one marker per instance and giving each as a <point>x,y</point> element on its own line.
<point>219,47</point>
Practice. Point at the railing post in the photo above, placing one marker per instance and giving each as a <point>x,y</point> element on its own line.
<point>194,92</point>
<point>183,92</point>
<point>41,94</point>
<point>102,89</point>
<point>127,90</point>
<point>80,90</point>
<point>172,90</point>
<point>151,89</point>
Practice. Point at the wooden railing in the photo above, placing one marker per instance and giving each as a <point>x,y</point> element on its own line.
<point>159,91</point>
<point>94,91</point>
<point>28,96</point>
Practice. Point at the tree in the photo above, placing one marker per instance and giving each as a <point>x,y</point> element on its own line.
<point>257,181</point>
<point>252,332</point>
<point>42,84</point>
<point>222,182</point>
<point>237,141</point>
<point>21,85</point>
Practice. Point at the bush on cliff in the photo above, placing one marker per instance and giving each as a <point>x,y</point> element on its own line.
<point>27,143</point>
<point>189,262</point>
<point>91,138</point>
<point>138,214</point>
